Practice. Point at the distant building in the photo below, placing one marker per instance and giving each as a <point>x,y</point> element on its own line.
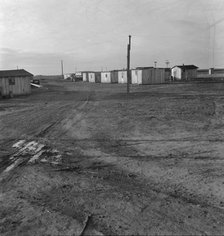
<point>78,76</point>
<point>91,77</point>
<point>73,76</point>
<point>122,77</point>
<point>217,71</point>
<point>98,77</point>
<point>15,82</point>
<point>167,74</point>
<point>114,76</point>
<point>106,77</point>
<point>184,72</point>
<point>201,72</point>
<point>148,75</point>
<point>84,76</point>
<point>210,73</point>
<point>136,75</point>
<point>68,76</point>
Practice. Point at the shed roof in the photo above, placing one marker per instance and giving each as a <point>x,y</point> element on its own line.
<point>14,73</point>
<point>203,70</point>
<point>218,69</point>
<point>168,69</point>
<point>115,70</point>
<point>187,67</point>
<point>144,67</point>
<point>88,71</point>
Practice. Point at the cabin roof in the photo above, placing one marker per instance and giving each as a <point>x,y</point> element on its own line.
<point>143,68</point>
<point>186,67</point>
<point>14,73</point>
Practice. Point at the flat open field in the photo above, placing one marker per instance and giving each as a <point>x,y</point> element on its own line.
<point>81,158</point>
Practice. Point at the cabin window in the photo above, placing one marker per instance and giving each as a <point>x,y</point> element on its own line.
<point>106,75</point>
<point>11,81</point>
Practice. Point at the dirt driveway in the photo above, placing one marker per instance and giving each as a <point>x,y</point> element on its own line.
<point>84,159</point>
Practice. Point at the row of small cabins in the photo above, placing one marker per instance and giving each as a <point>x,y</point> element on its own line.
<point>142,75</point>
<point>146,75</point>
<point>212,73</point>
<point>17,82</point>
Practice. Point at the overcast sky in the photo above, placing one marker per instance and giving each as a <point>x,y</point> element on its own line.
<point>93,34</point>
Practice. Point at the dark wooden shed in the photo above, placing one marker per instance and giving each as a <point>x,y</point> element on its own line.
<point>184,72</point>
<point>151,75</point>
<point>114,76</point>
<point>98,77</point>
<point>15,82</point>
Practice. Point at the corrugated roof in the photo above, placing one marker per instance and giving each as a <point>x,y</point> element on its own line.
<point>187,67</point>
<point>14,73</point>
<point>88,71</point>
<point>219,69</point>
<point>201,70</point>
<point>144,67</point>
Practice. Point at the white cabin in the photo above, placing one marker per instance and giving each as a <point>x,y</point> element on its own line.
<point>184,72</point>
<point>136,76</point>
<point>91,77</point>
<point>105,77</point>
<point>84,76</point>
<point>122,77</point>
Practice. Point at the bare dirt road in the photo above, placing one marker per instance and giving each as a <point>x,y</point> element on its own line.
<point>84,159</point>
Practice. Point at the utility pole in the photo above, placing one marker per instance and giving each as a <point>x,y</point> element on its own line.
<point>128,64</point>
<point>62,72</point>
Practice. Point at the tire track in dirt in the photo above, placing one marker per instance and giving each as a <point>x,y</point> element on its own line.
<point>70,110</point>
<point>45,113</point>
<point>121,204</point>
<point>161,171</point>
<point>118,198</point>
<point>62,112</point>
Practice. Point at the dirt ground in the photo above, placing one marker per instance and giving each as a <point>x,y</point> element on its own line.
<point>87,159</point>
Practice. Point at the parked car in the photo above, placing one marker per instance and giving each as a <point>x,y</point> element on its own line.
<point>35,81</point>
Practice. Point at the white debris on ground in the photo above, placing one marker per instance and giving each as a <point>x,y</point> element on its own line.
<point>31,152</point>
<point>39,152</point>
<point>28,148</point>
<point>18,144</point>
